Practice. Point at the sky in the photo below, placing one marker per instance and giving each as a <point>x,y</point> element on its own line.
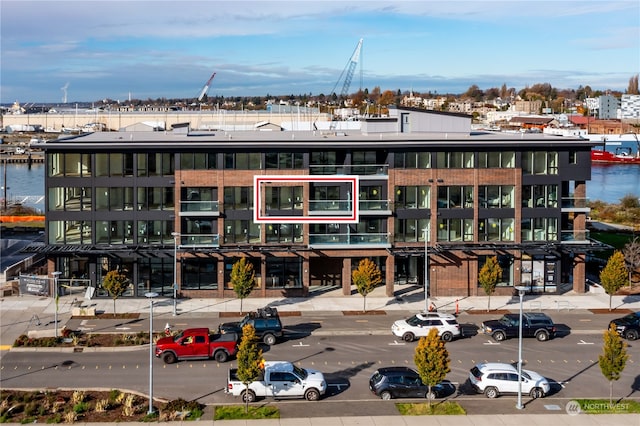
<point>110,49</point>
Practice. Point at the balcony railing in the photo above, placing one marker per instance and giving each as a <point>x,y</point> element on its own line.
<point>574,203</point>
<point>374,205</point>
<point>381,238</point>
<point>381,170</point>
<point>347,205</point>
<point>200,208</point>
<point>199,240</point>
<point>575,236</point>
<point>330,206</point>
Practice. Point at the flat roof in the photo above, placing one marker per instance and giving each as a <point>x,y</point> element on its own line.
<point>264,140</point>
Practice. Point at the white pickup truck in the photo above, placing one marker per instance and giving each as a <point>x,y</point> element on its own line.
<point>280,379</point>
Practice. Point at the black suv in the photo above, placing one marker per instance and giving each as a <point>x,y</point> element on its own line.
<point>534,324</point>
<point>265,321</point>
<point>628,326</point>
<point>404,382</point>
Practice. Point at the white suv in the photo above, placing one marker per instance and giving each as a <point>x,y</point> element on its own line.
<point>495,378</point>
<point>419,326</point>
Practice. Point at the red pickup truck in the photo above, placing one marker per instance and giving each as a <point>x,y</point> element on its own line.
<point>197,343</point>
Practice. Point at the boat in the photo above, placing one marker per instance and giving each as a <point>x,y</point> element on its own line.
<point>621,154</point>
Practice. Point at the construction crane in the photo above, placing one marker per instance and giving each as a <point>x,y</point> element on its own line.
<point>205,89</point>
<point>349,69</point>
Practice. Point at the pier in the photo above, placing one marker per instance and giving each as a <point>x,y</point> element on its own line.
<point>30,158</point>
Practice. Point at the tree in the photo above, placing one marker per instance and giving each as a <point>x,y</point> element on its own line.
<point>432,361</point>
<point>116,284</point>
<point>243,279</point>
<point>633,88</point>
<point>614,275</point>
<point>631,252</point>
<point>489,276</point>
<point>366,277</point>
<point>614,357</point>
<point>249,359</point>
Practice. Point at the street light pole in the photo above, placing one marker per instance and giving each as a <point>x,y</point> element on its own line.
<point>56,274</point>
<point>176,235</point>
<point>426,269</point>
<point>150,296</point>
<point>519,405</point>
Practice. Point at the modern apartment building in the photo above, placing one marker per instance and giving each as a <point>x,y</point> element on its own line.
<point>304,207</point>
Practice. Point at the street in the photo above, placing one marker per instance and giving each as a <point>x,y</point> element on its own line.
<point>569,362</point>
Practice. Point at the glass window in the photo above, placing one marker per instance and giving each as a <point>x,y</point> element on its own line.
<point>243,160</point>
<point>199,273</point>
<point>283,272</point>
<point>455,230</point>
<point>494,196</point>
<point>454,160</point>
<point>69,232</point>
<point>284,160</point>
<point>413,197</point>
<point>450,197</point>
<point>284,197</point>
<point>238,197</point>
<point>205,161</point>
<point>495,229</point>
<point>284,233</point>
<point>540,163</point>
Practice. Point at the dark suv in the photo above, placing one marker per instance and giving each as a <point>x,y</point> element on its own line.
<point>404,382</point>
<point>534,324</point>
<point>628,326</point>
<point>265,321</point>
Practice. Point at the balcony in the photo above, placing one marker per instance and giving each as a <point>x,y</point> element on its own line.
<point>199,208</point>
<point>199,240</point>
<point>336,241</point>
<point>335,207</point>
<point>368,171</point>
<point>575,204</point>
<point>574,236</point>
<point>375,207</point>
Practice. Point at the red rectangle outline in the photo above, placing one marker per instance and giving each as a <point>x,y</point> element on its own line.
<point>259,179</point>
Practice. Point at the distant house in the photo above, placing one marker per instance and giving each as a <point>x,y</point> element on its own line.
<point>529,123</point>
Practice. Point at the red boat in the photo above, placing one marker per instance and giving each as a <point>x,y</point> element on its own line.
<point>622,154</point>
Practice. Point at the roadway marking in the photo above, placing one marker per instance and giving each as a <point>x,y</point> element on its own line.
<point>489,342</point>
<point>582,342</point>
<point>123,328</point>
<point>299,345</point>
<point>396,343</point>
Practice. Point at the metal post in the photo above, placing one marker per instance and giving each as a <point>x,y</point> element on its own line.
<point>55,274</point>
<point>150,296</point>
<point>519,405</point>
<point>426,270</point>
<point>176,235</point>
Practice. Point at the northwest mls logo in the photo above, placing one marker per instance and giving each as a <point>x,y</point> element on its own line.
<point>573,408</point>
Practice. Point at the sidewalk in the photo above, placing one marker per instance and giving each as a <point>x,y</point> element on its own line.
<point>19,314</point>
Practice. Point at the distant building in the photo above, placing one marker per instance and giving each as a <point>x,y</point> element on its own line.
<point>608,107</point>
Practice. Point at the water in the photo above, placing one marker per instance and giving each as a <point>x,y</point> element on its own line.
<point>24,181</point>
<point>609,183</point>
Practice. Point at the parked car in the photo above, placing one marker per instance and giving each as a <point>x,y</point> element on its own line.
<point>496,378</point>
<point>534,324</point>
<point>279,379</point>
<point>420,324</point>
<point>405,382</point>
<point>628,326</point>
<point>265,321</point>
<point>197,343</point>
